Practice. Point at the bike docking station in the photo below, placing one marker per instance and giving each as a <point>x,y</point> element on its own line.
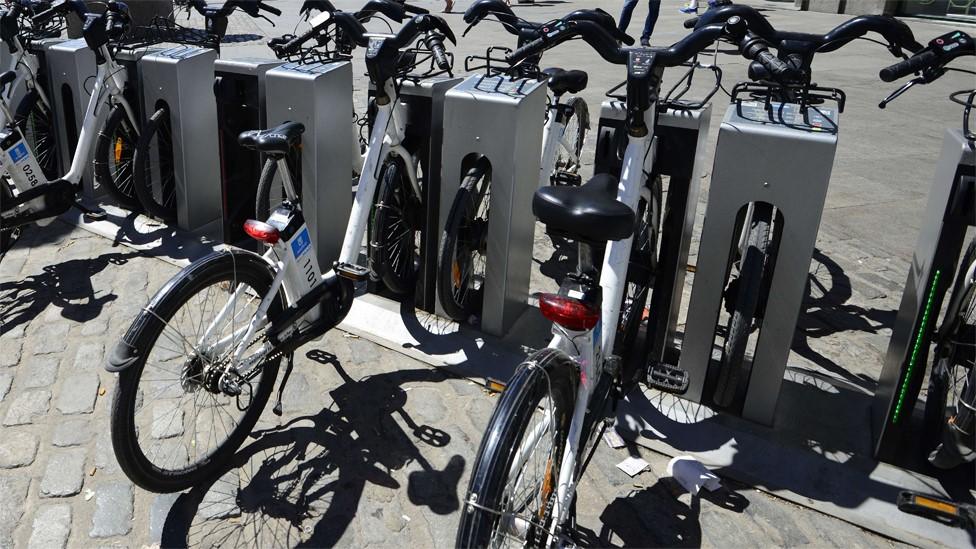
<point>950,211</point>
<point>241,106</point>
<point>319,96</point>
<point>793,148</point>
<point>498,119</point>
<point>424,98</point>
<point>680,136</point>
<point>182,79</point>
<point>70,66</point>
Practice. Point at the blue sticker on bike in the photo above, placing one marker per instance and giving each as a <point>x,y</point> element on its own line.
<point>19,152</point>
<point>301,244</point>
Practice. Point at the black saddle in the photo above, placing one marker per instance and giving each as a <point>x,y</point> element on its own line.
<point>275,141</point>
<point>562,81</point>
<point>590,212</point>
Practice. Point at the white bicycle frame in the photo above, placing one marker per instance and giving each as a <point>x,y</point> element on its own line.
<point>386,139</point>
<point>554,137</point>
<point>110,80</point>
<point>26,65</point>
<point>586,348</point>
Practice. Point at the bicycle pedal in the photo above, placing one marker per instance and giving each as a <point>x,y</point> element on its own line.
<point>563,179</point>
<point>352,272</point>
<point>668,378</point>
<point>93,216</point>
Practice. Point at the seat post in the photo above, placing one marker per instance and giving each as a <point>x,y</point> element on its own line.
<point>584,264</point>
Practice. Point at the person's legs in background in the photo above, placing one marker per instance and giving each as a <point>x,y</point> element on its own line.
<point>690,7</point>
<point>653,9</point>
<point>625,13</point>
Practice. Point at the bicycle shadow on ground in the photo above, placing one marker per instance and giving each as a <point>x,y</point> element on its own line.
<point>655,517</point>
<point>827,310</point>
<point>302,483</point>
<point>66,285</point>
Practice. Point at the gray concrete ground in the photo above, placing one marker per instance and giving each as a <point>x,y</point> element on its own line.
<point>375,448</point>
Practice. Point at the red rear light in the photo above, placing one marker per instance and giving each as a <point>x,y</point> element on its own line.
<point>259,230</point>
<point>569,313</point>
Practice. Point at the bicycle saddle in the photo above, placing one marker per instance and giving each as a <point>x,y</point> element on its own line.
<point>589,213</point>
<point>562,81</point>
<point>277,140</point>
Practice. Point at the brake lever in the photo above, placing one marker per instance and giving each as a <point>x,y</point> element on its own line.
<point>471,26</point>
<point>266,18</point>
<point>904,88</point>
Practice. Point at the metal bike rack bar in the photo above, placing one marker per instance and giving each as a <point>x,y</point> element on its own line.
<point>791,159</point>
<point>950,210</point>
<point>320,97</point>
<point>241,104</point>
<point>681,137</point>
<point>182,78</point>
<point>502,120</point>
<point>71,65</point>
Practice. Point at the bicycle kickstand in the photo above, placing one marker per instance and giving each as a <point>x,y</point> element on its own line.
<point>91,214</point>
<point>289,364</point>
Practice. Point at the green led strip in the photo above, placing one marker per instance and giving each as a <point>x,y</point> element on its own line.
<point>917,348</point>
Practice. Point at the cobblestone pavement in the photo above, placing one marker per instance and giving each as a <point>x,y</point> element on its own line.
<point>373,448</point>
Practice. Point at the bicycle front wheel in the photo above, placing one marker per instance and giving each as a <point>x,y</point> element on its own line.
<point>36,122</point>
<point>154,175</point>
<point>748,295</point>
<point>114,150</point>
<point>175,420</point>
<point>394,243</point>
<point>514,478</point>
<point>461,269</point>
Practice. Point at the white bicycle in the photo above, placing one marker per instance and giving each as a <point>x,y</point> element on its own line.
<point>198,365</point>
<point>110,127</point>
<point>546,424</point>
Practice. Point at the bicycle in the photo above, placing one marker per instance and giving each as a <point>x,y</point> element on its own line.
<point>154,178</point>
<point>463,249</point>
<point>950,407</point>
<point>31,196</point>
<point>220,359</point>
<point>544,429</point>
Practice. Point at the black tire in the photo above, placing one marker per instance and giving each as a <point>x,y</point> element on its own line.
<point>576,128</point>
<point>546,378</point>
<point>219,273</point>
<point>751,273</point>
<point>36,123</point>
<point>7,236</point>
<point>149,172</point>
<point>463,253</point>
<point>949,415</point>
<point>393,241</point>
<point>114,152</point>
<point>271,191</point>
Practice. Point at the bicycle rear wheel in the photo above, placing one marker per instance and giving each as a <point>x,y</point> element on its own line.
<point>461,269</point>
<point>114,152</point>
<point>174,423</point>
<point>748,295</point>
<point>36,122</point>
<point>514,478</point>
<point>573,137</point>
<point>154,176</point>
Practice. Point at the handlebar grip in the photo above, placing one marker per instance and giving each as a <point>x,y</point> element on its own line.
<point>270,9</point>
<point>622,36</point>
<point>780,71</point>
<point>527,50</point>
<point>691,22</point>
<point>436,45</point>
<point>908,66</point>
<point>292,45</point>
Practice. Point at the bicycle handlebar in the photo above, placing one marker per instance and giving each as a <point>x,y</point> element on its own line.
<point>60,7</point>
<point>939,51</point>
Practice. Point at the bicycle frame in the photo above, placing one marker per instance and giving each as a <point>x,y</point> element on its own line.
<point>26,65</point>
<point>587,348</point>
<point>553,137</point>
